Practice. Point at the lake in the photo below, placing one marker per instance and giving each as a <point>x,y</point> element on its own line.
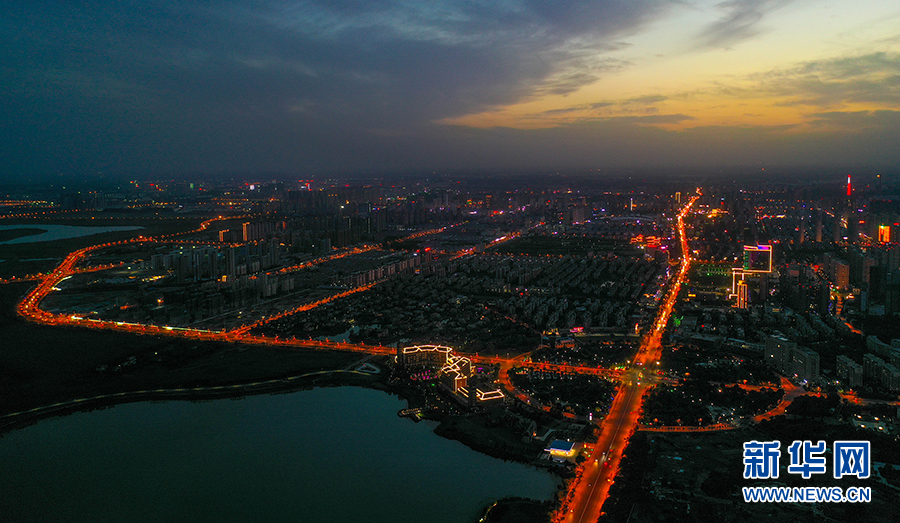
<point>60,232</point>
<point>330,454</point>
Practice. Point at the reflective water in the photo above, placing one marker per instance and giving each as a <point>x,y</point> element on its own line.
<point>60,232</point>
<point>324,455</point>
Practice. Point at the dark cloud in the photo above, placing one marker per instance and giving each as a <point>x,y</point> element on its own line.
<point>871,79</point>
<point>858,121</point>
<point>637,141</point>
<point>656,119</point>
<point>740,21</point>
<point>165,84</point>
<point>192,86</point>
<point>564,110</point>
<point>648,100</point>
<point>641,104</point>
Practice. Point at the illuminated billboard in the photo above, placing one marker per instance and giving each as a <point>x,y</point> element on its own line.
<point>757,258</point>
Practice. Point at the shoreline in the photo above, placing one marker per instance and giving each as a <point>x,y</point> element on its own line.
<point>446,426</point>
<point>17,420</point>
<point>198,371</point>
<point>307,381</point>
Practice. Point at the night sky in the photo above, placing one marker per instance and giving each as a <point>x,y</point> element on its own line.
<point>274,86</point>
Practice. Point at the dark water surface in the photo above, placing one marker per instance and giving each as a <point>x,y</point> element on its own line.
<point>323,455</point>
<point>60,232</point>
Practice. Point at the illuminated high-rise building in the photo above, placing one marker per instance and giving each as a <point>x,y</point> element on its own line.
<point>884,233</point>
<point>742,294</point>
<point>757,258</point>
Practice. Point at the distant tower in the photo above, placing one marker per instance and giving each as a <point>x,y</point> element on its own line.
<point>848,187</point>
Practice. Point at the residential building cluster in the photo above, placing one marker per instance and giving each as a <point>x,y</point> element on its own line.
<point>789,359</point>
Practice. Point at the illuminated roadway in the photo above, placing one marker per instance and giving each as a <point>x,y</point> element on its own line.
<point>791,392</point>
<point>588,493</point>
<point>29,307</point>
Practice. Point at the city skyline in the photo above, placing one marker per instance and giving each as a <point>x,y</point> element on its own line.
<point>283,87</point>
<point>626,339</point>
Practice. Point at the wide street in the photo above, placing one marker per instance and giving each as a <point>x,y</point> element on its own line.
<point>585,501</point>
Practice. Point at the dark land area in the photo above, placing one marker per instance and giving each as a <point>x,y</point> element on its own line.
<point>42,365</point>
